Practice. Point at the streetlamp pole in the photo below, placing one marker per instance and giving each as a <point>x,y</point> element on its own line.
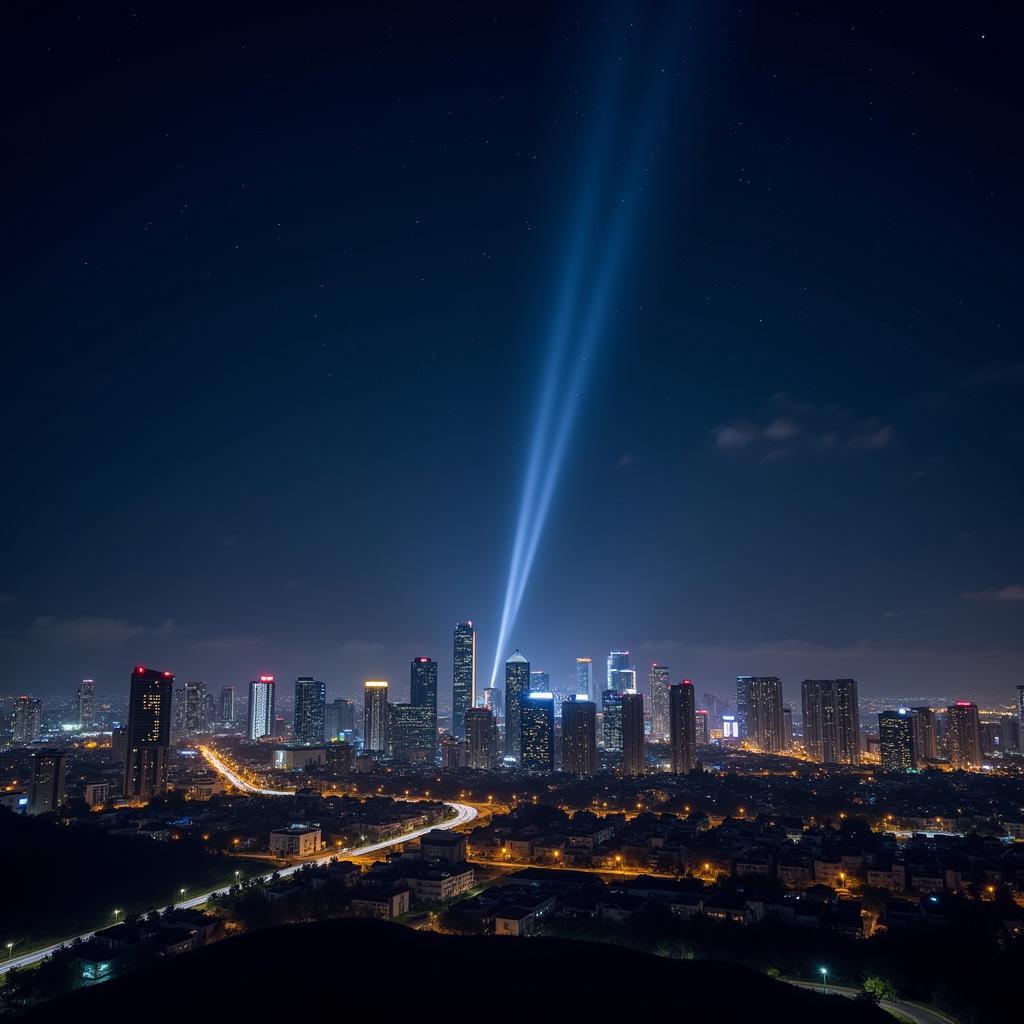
<point>824,980</point>
<point>10,950</point>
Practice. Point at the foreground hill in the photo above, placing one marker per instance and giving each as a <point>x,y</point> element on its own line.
<point>346,966</point>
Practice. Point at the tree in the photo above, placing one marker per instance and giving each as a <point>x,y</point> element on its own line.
<point>877,988</point>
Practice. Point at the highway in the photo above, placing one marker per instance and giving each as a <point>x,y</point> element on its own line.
<point>463,814</point>
<point>912,1011</point>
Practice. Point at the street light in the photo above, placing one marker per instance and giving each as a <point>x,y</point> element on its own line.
<point>10,950</point>
<point>182,891</point>
<point>824,979</point>
<point>116,913</point>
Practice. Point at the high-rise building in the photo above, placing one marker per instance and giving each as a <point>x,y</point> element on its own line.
<point>491,698</point>
<point>659,684</point>
<point>412,732</point>
<point>611,721</point>
<point>787,728</point>
<point>423,683</point>
<point>195,709</point>
<point>149,733</point>
<point>831,715</point>
<point>617,660</point>
<point>537,732</point>
<point>627,680</point>
<point>119,744</point>
<point>48,768</point>
<point>682,722</point>
<point>261,707</point>
<point>579,735</point>
<point>585,679</point>
<point>703,730</point>
<point>896,740</point>
<point>764,713</point>
<point>540,680</point>
<point>634,759</point>
<point>742,696</point>
<point>1020,710</point>
<point>87,703</point>
<point>925,735</point>
<point>26,719</point>
<point>463,676</point>
<point>481,738</point>
<point>517,683</point>
<point>964,735</point>
<point>339,719</point>
<point>375,716</point>
<point>227,705</point>
<point>310,710</point>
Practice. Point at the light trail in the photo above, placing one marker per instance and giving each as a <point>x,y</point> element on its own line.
<point>464,814</point>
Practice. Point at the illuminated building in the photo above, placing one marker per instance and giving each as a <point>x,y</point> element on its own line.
<point>339,719</point>
<point>1020,712</point>
<point>579,735</point>
<point>227,705</point>
<point>463,676</point>
<point>540,681</point>
<point>310,705</point>
<point>491,699</point>
<point>585,678</point>
<point>375,716</point>
<point>119,744</point>
<point>87,704</point>
<point>25,719</point>
<point>926,747</point>
<point>742,685</point>
<point>412,732</point>
<point>682,727</point>
<point>787,728</point>
<point>423,694</point>
<point>481,739</point>
<point>295,841</point>
<point>48,768</point>
<point>617,661</point>
<point>896,738</point>
<point>537,732</point>
<point>195,709</point>
<point>703,727</point>
<point>730,728</point>
<point>659,684</point>
<point>453,753</point>
<point>963,735</point>
<point>611,720</point>
<point>764,713</point>
<point>517,683</point>
<point>634,761</point>
<point>149,733</point>
<point>261,707</point>
<point>831,720</point>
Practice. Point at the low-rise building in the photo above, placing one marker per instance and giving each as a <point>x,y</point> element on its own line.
<point>295,841</point>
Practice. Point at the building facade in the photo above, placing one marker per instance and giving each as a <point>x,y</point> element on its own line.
<point>579,736</point>
<point>310,710</point>
<point>517,683</point>
<point>831,720</point>
<point>261,707</point>
<point>148,738</point>
<point>463,676</point>
<point>634,757</point>
<point>682,721</point>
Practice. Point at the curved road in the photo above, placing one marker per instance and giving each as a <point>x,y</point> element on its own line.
<point>912,1011</point>
<point>463,814</point>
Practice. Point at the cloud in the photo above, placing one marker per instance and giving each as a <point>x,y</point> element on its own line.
<point>1013,592</point>
<point>781,429</point>
<point>627,460</point>
<point>94,630</point>
<point>733,436</point>
<point>872,441</point>
<point>228,643</point>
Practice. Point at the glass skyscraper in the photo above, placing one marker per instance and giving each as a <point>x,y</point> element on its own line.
<point>149,732</point>
<point>682,727</point>
<point>634,760</point>
<point>261,707</point>
<point>896,739</point>
<point>579,735</point>
<point>463,676</point>
<point>659,684</point>
<point>517,683</point>
<point>585,678</point>
<point>537,732</point>
<point>831,716</point>
<point>375,716</point>
<point>310,705</point>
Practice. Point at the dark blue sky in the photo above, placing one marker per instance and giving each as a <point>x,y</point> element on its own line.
<point>277,294</point>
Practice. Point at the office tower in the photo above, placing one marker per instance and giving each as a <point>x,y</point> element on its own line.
<point>540,681</point>
<point>261,708</point>
<point>585,679</point>
<point>703,727</point>
<point>1020,710</point>
<point>119,744</point>
<point>617,660</point>
<point>178,713</point>
<point>925,735</point>
<point>764,713</point>
<point>195,709</point>
<point>659,684</point>
<point>537,735</point>
<point>87,704</point>
<point>375,716</point>
<point>339,719</point>
<point>627,680</point>
<point>716,707</point>
<point>634,760</point>
<point>481,738</point>
<point>423,684</point>
<point>453,753</point>
<point>149,733</point>
<point>463,676</point>
<point>831,720</point>
<point>227,705</point>
<point>742,692</point>
<point>579,735</point>
<point>1008,735</point>
<point>25,719</point>
<point>48,767</point>
<point>787,728</point>
<point>310,704</point>
<point>896,740</point>
<point>611,720</point>
<point>682,727</point>
<point>730,729</point>
<point>964,736</point>
<point>412,732</point>
<point>491,698</point>
<point>517,683</point>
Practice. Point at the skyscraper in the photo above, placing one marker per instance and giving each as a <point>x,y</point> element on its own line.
<point>412,732</point>
<point>310,704</point>
<point>492,698</point>
<point>195,709</point>
<point>517,682</point>
<point>742,694</point>
<point>896,739</point>
<point>339,719</point>
<point>787,728</point>
<point>1020,710</point>
<point>634,760</point>
<point>540,680</point>
<point>537,736</point>
<point>585,679</point>
<point>25,719</point>
<point>682,727</point>
<point>659,684</point>
<point>926,746</point>
<point>611,721</point>
<point>423,684</point>
<point>831,723</point>
<point>481,738</point>
<point>227,705</point>
<point>579,735</point>
<point>87,703</point>
<point>963,735</point>
<point>261,707</point>
<point>463,676</point>
<point>617,660</point>
<point>48,768</point>
<point>149,733</point>
<point>375,716</point>
<point>764,713</point>
<point>703,730</point>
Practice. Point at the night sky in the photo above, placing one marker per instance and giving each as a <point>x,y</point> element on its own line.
<point>277,294</point>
